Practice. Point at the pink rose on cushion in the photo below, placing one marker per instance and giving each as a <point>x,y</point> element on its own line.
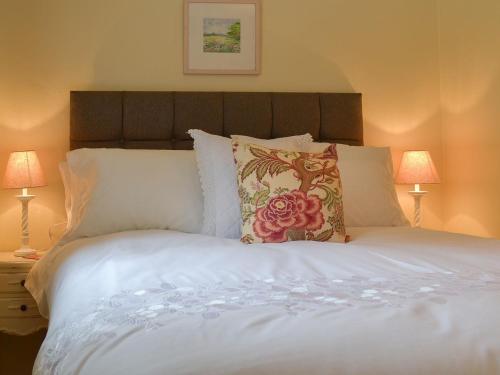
<point>294,210</point>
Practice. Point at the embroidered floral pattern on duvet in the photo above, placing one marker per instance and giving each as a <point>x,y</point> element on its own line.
<point>151,308</point>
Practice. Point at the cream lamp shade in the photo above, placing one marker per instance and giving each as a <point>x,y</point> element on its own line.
<point>23,171</point>
<point>417,168</point>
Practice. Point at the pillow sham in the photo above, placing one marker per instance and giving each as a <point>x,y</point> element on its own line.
<point>288,195</point>
<point>65,177</point>
<point>369,194</point>
<point>73,192</point>
<point>114,190</point>
<point>217,171</point>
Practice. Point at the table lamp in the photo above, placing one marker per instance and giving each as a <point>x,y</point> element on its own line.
<point>24,171</point>
<point>417,168</point>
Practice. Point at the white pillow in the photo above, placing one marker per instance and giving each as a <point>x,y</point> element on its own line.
<point>114,190</point>
<point>369,195</point>
<point>221,213</point>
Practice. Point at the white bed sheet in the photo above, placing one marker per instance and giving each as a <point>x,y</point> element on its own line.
<point>392,301</point>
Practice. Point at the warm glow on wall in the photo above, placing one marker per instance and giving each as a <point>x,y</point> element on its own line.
<point>80,51</point>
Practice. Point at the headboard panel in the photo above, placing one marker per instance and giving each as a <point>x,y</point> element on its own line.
<point>160,119</point>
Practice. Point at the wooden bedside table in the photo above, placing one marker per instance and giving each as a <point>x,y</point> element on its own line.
<point>18,310</point>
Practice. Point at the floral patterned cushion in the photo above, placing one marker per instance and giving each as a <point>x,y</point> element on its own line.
<point>288,196</point>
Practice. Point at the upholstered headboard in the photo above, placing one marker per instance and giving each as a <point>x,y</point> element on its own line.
<point>160,119</point>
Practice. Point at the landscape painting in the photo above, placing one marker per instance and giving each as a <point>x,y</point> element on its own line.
<point>221,35</point>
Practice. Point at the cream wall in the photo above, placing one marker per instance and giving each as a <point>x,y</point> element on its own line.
<point>470,93</point>
<point>386,49</point>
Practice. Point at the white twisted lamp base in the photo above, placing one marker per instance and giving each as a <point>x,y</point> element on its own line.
<point>417,195</point>
<point>25,249</point>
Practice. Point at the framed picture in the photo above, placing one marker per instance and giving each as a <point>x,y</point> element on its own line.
<point>222,36</point>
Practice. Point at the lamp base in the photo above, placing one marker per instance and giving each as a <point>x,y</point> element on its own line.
<point>417,195</point>
<point>24,252</point>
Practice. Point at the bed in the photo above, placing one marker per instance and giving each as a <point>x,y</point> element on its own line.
<point>394,300</point>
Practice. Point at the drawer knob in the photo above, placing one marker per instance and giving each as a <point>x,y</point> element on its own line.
<point>22,282</point>
<point>23,307</point>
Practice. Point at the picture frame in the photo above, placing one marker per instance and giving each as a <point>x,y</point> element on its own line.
<point>222,36</point>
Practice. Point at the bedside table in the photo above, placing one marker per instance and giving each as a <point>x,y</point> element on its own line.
<point>18,310</point>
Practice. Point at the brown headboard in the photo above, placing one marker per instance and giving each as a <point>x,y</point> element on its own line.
<point>160,119</point>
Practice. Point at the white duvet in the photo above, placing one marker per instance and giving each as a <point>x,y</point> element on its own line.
<point>392,301</point>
